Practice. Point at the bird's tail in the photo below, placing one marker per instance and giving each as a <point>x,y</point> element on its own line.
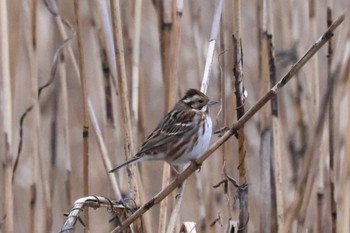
<point>126,163</point>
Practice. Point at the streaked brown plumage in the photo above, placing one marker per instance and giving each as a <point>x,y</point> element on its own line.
<point>182,135</point>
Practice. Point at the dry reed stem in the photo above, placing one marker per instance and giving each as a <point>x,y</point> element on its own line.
<point>276,137</point>
<point>343,197</point>
<point>66,138</point>
<point>200,195</point>
<point>104,14</point>
<point>174,53</point>
<point>314,106</point>
<point>212,41</point>
<point>305,179</point>
<point>232,227</point>
<point>240,100</point>
<point>104,152</point>
<point>165,24</point>
<point>331,130</point>
<point>124,100</point>
<point>215,29</point>
<point>136,188</point>
<point>86,123</point>
<point>172,81</point>
<point>176,209</point>
<point>41,200</point>
<point>223,112</point>
<point>222,101</point>
<point>265,123</point>
<point>89,201</point>
<point>141,122</point>
<point>135,71</point>
<point>344,202</point>
<point>172,87</point>
<point>165,18</point>
<point>188,227</point>
<point>95,126</point>
<point>234,127</point>
<point>195,36</point>
<point>239,90</point>
<point>7,158</point>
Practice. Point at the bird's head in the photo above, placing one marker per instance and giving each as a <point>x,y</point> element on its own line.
<point>197,100</point>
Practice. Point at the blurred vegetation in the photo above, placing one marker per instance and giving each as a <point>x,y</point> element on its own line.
<point>42,48</point>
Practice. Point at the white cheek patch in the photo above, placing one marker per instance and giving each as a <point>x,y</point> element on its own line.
<point>186,101</point>
<point>193,99</point>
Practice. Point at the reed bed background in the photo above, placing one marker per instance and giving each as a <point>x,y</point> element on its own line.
<point>84,82</point>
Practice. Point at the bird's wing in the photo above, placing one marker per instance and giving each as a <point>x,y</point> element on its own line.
<point>173,126</point>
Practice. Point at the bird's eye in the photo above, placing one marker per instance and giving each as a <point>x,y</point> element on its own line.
<point>200,101</point>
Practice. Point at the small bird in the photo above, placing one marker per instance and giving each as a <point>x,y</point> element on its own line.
<point>182,135</point>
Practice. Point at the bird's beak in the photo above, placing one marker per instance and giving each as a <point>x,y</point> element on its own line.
<point>212,102</point>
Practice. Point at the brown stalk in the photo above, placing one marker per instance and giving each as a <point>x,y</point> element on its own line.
<point>265,124</point>
<point>86,122</point>
<point>172,82</point>
<point>141,111</point>
<point>165,20</point>
<point>123,87</point>
<point>7,158</point>
<point>234,127</point>
<point>223,111</point>
<point>103,13</point>
<point>314,106</point>
<point>240,99</point>
<point>176,208</point>
<point>195,35</point>
<point>333,207</point>
<point>343,197</point>
<point>136,188</point>
<point>276,137</point>
<point>344,184</point>
<point>66,138</point>
<point>36,186</point>
<point>135,71</point>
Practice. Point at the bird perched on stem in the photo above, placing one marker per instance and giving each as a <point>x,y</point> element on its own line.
<point>182,135</point>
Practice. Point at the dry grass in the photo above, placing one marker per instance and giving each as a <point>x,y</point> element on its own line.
<point>294,158</point>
